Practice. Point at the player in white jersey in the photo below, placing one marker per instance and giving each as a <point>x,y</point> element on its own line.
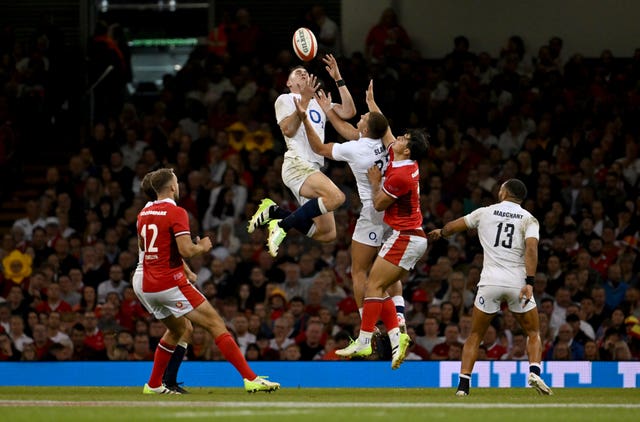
<point>509,237</point>
<point>171,374</point>
<point>316,193</point>
<point>371,138</point>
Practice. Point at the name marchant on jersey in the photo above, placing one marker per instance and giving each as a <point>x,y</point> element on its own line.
<point>507,214</point>
<point>153,212</point>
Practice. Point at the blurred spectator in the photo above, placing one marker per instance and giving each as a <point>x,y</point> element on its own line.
<point>115,283</point>
<point>387,40</point>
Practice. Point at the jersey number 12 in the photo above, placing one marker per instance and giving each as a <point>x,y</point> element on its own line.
<point>151,246</point>
<point>507,229</point>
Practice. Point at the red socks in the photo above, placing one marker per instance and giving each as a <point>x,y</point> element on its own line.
<point>232,353</point>
<point>160,363</point>
<point>378,308</point>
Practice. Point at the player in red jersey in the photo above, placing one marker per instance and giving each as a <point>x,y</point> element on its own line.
<point>165,238</point>
<point>399,197</point>
<point>170,377</point>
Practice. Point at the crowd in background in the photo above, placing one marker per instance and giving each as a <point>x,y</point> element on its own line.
<point>565,125</point>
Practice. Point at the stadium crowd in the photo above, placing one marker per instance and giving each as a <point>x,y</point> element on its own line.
<point>565,125</point>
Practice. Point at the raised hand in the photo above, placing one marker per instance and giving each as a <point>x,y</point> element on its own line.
<point>301,110</point>
<point>308,90</point>
<point>324,100</point>
<point>332,67</point>
<point>369,97</point>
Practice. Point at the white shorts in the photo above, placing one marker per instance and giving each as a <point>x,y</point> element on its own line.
<point>370,229</point>
<point>489,298</point>
<point>176,301</point>
<point>404,248</point>
<point>295,172</point>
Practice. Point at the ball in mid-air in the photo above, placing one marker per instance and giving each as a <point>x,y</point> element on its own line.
<point>304,44</point>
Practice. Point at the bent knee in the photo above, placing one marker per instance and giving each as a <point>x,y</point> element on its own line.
<point>334,199</point>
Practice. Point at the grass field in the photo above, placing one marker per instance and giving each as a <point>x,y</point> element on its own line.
<point>328,405</point>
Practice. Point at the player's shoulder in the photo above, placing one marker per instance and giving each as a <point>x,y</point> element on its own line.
<point>285,97</point>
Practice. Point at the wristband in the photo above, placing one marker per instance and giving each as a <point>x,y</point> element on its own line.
<point>340,82</point>
<point>529,280</point>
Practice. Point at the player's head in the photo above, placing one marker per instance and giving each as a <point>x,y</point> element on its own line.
<point>165,183</point>
<point>513,189</point>
<point>415,141</point>
<point>375,125</point>
<point>297,76</point>
<point>146,188</point>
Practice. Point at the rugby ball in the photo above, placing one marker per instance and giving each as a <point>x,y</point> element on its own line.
<point>304,44</point>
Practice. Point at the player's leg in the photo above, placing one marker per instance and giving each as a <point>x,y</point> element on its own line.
<point>362,257</point>
<point>479,323</point>
<point>164,351</point>
<point>395,291</point>
<point>206,316</point>
<point>530,323</point>
<point>170,378</point>
<point>312,218</point>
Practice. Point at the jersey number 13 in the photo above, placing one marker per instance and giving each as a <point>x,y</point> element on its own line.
<point>507,230</point>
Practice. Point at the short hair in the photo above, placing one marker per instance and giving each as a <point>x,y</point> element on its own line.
<point>516,188</point>
<point>146,188</point>
<point>377,125</point>
<point>160,179</point>
<point>418,143</point>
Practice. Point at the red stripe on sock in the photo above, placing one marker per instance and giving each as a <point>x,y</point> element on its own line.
<point>232,353</point>
<point>160,362</point>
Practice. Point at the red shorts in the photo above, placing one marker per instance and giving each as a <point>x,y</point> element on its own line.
<point>404,248</point>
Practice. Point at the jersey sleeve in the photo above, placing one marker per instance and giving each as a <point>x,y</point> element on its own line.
<point>180,222</point>
<point>531,228</point>
<point>346,151</point>
<point>284,107</point>
<point>396,183</point>
<point>472,220</point>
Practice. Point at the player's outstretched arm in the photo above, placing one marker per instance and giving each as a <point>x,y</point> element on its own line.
<point>344,129</point>
<point>315,142</point>
<point>347,108</point>
<point>388,137</point>
<point>456,226</point>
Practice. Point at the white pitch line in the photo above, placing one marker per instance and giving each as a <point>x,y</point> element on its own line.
<point>315,405</point>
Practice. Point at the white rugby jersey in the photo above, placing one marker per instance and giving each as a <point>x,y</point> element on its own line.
<point>298,146</point>
<point>502,230</point>
<point>360,155</point>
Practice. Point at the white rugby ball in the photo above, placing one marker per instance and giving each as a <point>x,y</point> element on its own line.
<point>304,44</point>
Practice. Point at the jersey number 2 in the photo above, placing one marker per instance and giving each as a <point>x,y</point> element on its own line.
<point>151,246</point>
<point>507,229</point>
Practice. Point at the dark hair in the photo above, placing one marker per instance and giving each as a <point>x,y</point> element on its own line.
<point>516,188</point>
<point>418,143</point>
<point>146,188</point>
<point>160,179</point>
<point>377,125</point>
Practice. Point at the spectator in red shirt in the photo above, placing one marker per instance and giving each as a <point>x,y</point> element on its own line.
<point>441,351</point>
<point>494,349</point>
<point>53,302</point>
<point>41,341</point>
<point>387,39</point>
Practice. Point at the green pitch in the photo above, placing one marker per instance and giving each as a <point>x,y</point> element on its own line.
<point>327,405</point>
